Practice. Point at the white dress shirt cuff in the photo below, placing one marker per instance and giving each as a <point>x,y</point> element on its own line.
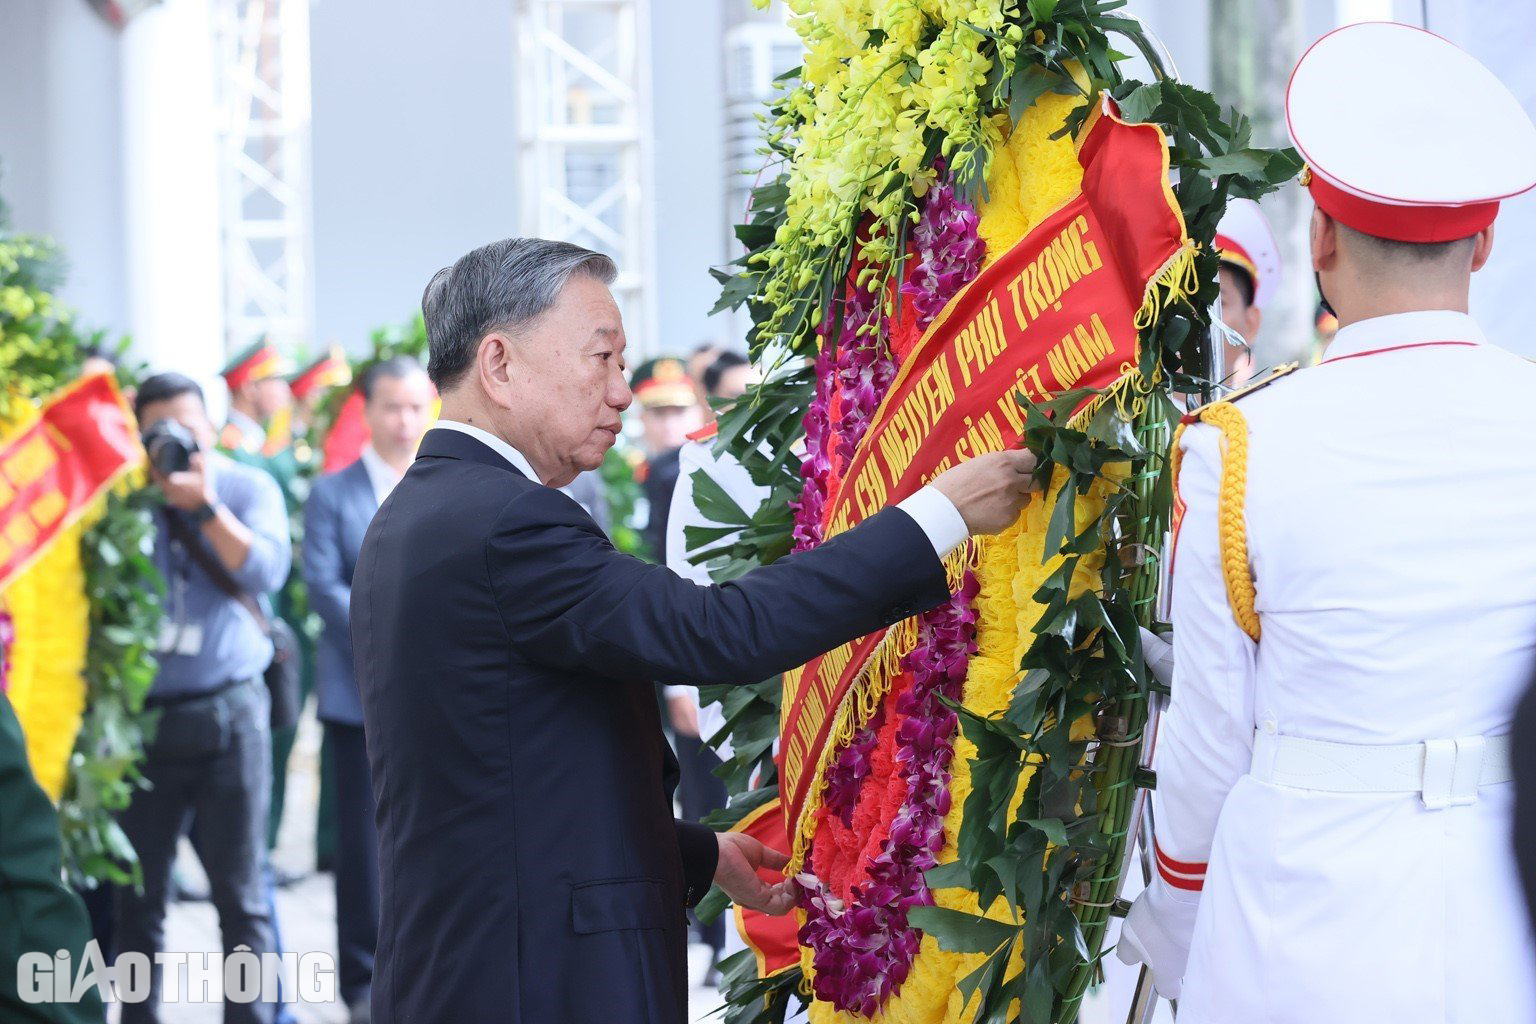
<point>938,518</point>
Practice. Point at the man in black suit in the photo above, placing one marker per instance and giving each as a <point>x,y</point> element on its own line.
<point>1524,832</point>
<point>531,869</point>
<point>397,404</point>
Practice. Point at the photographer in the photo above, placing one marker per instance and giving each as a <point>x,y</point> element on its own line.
<point>221,543</point>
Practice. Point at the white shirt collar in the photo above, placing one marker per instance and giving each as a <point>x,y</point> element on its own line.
<point>495,444</point>
<point>381,475</point>
<point>1404,329</point>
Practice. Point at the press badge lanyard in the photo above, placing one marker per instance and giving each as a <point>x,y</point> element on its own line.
<point>181,636</point>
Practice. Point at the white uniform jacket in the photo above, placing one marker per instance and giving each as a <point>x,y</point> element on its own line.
<point>701,457</point>
<point>1391,497</point>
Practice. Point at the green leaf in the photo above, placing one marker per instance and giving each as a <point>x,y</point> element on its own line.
<point>1245,162</point>
<point>958,932</point>
<point>1139,105</point>
<point>947,876</point>
<point>714,903</point>
<point>1052,828</point>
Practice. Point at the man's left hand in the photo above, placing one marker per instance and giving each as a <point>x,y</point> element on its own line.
<point>189,489</point>
<point>736,873</point>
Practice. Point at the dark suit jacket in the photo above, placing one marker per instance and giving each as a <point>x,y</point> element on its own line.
<point>336,516</point>
<point>1524,758</point>
<point>531,870</point>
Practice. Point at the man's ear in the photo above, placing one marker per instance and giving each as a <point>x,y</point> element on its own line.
<point>1325,240</point>
<point>493,363</point>
<point>1255,321</point>
<point>1482,248</point>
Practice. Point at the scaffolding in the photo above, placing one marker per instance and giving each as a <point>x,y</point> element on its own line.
<point>261,53</point>
<point>584,139</point>
<point>758,51</point>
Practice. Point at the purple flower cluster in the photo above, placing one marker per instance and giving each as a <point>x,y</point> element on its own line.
<point>817,465</point>
<point>845,777</point>
<point>863,952</point>
<point>949,252</point>
<point>865,370</point>
<point>7,638</point>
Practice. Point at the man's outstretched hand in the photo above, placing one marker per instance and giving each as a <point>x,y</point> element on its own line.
<point>990,490</point>
<point>736,873</point>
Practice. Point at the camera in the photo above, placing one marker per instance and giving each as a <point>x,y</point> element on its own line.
<point>170,447</point>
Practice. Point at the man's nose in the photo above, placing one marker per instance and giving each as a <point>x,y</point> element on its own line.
<point>625,396</point>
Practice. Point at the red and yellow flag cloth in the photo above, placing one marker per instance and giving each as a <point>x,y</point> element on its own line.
<point>774,941</point>
<point>54,470</point>
<point>1059,310</point>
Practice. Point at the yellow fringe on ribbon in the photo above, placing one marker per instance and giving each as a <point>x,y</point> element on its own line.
<point>1175,281</point>
<point>1231,527</point>
<point>863,699</point>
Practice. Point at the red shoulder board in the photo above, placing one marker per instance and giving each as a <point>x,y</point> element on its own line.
<point>708,432</point>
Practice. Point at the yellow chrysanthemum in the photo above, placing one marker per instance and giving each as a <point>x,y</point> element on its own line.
<point>51,615</point>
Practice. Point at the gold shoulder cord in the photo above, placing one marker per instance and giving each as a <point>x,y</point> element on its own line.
<point>1231,531</point>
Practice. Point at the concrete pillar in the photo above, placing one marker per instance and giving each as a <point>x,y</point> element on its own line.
<point>171,189</point>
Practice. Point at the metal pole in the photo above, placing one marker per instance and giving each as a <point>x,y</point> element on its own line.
<point>1144,1002</point>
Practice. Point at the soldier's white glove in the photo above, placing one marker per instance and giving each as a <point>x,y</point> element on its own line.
<point>1158,654</point>
<point>1157,932</point>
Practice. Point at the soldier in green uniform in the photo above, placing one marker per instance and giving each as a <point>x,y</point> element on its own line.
<point>258,434</point>
<point>257,391</point>
<point>309,387</point>
<point>38,912</point>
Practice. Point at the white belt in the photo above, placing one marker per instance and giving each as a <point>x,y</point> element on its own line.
<point>1445,773</point>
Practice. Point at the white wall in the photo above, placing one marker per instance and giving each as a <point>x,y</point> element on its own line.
<point>414,152</point>
<point>61,145</point>
<point>689,176</point>
<point>1500,34</point>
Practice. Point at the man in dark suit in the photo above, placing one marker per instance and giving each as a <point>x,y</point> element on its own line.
<point>1524,833</point>
<point>531,869</point>
<point>397,403</point>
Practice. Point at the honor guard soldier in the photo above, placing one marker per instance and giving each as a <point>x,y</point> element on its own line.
<point>312,385</point>
<point>257,391</point>
<point>669,412</point>
<point>1250,273</point>
<point>1354,594</point>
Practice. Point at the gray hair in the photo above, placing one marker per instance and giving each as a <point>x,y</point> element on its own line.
<point>503,286</point>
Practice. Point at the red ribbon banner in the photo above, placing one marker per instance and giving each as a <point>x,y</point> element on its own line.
<point>1053,313</point>
<point>52,471</point>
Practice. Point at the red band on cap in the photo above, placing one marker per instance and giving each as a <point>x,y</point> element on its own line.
<point>1231,252</point>
<point>1401,223</point>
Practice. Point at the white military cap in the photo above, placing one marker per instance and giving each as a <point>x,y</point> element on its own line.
<point>1405,135</point>
<point>1243,239</point>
